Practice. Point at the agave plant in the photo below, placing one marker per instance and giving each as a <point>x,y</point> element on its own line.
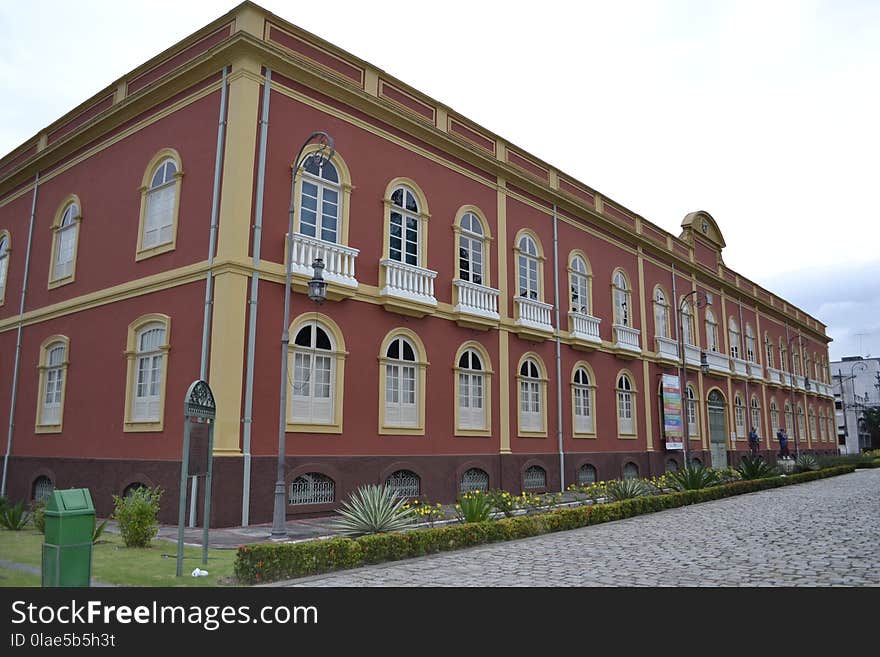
<point>624,489</point>
<point>754,467</point>
<point>806,462</point>
<point>693,477</point>
<point>373,510</point>
<point>15,517</point>
<point>474,506</point>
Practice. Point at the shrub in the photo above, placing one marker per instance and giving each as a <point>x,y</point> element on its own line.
<point>425,512</point>
<point>754,467</point>
<point>373,509</point>
<point>38,515</point>
<point>473,506</point>
<point>15,517</point>
<point>806,462</point>
<point>693,477</point>
<point>502,501</point>
<point>138,515</point>
<point>624,489</point>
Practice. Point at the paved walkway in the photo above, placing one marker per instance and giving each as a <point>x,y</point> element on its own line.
<point>823,533</point>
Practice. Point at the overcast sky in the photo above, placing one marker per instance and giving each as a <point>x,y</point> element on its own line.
<point>764,114</point>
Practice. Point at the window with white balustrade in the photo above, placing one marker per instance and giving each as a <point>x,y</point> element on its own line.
<point>622,299</point>
<point>472,391</point>
<point>739,414</point>
<point>147,359</point>
<point>768,349</point>
<point>65,231</point>
<point>711,331</point>
<point>528,268</point>
<point>311,488</point>
<point>320,199</point>
<point>796,362</point>
<point>751,355</point>
<point>532,391</point>
<point>403,244</point>
<point>579,285</point>
<point>53,377</point>
<point>583,406</point>
<point>472,249</point>
<point>4,264</point>
<point>693,425</point>
<point>626,406</point>
<point>661,313</point>
<point>160,201</point>
<point>733,337</point>
<point>783,356</point>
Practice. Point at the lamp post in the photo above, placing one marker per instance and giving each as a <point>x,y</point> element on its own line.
<point>852,377</point>
<point>317,286</point>
<point>704,363</point>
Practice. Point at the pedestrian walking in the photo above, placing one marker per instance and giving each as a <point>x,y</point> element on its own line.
<point>753,441</point>
<point>783,443</point>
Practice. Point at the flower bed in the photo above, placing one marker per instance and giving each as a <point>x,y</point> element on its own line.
<point>262,563</point>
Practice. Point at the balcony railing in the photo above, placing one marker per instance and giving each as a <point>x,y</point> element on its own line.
<point>692,355</point>
<point>532,313</point>
<point>473,299</point>
<point>774,376</point>
<point>338,259</point>
<point>626,337</point>
<point>667,348</point>
<point>756,371</point>
<point>799,382</point>
<point>739,367</point>
<point>718,362</point>
<point>585,327</point>
<point>408,282</point>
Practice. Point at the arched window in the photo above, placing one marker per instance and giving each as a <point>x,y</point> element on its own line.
<point>739,415</point>
<point>579,278</point>
<point>129,490</point>
<point>404,220</point>
<point>471,249</point>
<point>823,426</point>
<point>320,196</point>
<point>586,475</point>
<point>401,384</point>
<point>582,401</point>
<point>783,360</point>
<point>42,488</point>
<point>159,205</point>
<point>756,414</point>
<point>774,418</point>
<point>661,313</point>
<point>806,363</point>
<point>471,391</point>
<point>671,465</point>
<point>626,412</point>
<point>314,376</point>
<point>405,483</point>
<point>311,488</point>
<point>751,355</point>
<point>789,417</point>
<point>802,424</point>
<point>733,336</point>
<point>65,230</point>
<point>147,357</point>
<point>630,471</point>
<point>688,329</point>
<point>528,285</point>
<point>711,331</point>
<point>697,463</point>
<point>474,479</point>
<point>813,432</point>
<point>622,301</point>
<point>531,397</point>
<point>535,477</point>
<point>4,264</point>
<point>796,361</point>
<point>768,349</point>
<point>53,375</point>
<point>693,426</point>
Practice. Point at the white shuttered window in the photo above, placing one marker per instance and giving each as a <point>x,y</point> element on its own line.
<point>149,371</point>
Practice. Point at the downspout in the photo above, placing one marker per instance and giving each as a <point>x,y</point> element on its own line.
<point>252,306</point>
<point>27,262</point>
<point>209,279</point>
<point>558,353</point>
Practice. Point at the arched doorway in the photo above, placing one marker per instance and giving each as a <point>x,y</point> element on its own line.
<point>717,429</point>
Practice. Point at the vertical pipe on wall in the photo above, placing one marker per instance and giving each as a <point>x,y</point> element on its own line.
<point>27,262</point>
<point>252,306</point>
<point>558,352</point>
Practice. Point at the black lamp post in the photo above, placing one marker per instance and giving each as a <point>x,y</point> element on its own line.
<point>704,363</point>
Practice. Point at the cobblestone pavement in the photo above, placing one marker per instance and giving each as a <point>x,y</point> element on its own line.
<point>822,533</point>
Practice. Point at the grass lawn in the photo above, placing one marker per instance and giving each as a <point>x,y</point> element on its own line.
<point>113,563</point>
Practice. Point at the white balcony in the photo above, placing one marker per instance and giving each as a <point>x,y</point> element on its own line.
<point>585,328</point>
<point>667,348</point>
<point>476,300</point>
<point>774,376</point>
<point>718,363</point>
<point>408,282</point>
<point>692,355</point>
<point>740,367</point>
<point>626,338</point>
<point>824,389</point>
<point>756,371</point>
<point>533,314</point>
<point>339,260</point>
<point>799,382</point>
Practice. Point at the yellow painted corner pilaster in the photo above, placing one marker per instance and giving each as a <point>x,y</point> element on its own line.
<point>647,387</point>
<point>250,18</point>
<point>504,388</point>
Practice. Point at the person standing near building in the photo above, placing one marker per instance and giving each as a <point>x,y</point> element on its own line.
<point>783,443</point>
<point>753,441</point>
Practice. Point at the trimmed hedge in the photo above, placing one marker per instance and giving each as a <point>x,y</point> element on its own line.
<point>266,562</point>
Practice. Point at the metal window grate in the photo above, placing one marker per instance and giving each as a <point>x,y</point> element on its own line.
<point>312,488</point>
<point>535,477</point>
<point>474,479</point>
<point>405,483</point>
<point>630,471</point>
<point>671,465</point>
<point>586,475</point>
<point>43,488</point>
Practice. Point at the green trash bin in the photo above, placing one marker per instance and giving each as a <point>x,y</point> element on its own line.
<point>67,541</point>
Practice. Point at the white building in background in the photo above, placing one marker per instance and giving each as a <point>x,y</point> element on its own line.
<point>860,379</point>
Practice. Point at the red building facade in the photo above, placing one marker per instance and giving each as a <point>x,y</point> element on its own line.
<point>490,322</point>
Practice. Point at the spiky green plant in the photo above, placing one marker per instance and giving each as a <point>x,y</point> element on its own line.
<point>693,477</point>
<point>98,530</point>
<point>754,467</point>
<point>806,462</point>
<point>624,489</point>
<point>373,509</point>
<point>474,506</point>
<point>15,517</point>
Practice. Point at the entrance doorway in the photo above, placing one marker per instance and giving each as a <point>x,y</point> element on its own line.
<point>718,429</point>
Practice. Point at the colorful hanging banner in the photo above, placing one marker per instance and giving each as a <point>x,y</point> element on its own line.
<point>672,417</point>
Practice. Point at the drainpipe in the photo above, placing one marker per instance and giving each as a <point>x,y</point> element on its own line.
<point>27,262</point>
<point>209,279</point>
<point>252,306</point>
<point>558,353</point>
